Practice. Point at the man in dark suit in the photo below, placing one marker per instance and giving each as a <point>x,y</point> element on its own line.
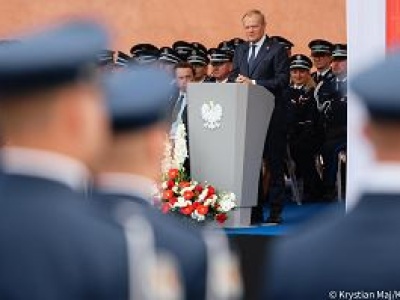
<point>54,244</point>
<point>354,253</point>
<point>265,62</point>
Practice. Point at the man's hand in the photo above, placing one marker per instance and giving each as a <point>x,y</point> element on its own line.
<point>244,79</point>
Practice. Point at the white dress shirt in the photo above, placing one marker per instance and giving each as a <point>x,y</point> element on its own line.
<point>129,184</point>
<point>258,46</point>
<point>45,164</point>
<point>178,120</point>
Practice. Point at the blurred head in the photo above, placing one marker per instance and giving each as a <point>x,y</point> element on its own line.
<point>299,76</point>
<point>169,68</point>
<point>221,70</point>
<point>254,25</point>
<point>321,61</point>
<point>184,73</point>
<point>69,119</point>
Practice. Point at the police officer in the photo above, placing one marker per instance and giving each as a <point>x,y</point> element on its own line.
<point>55,245</point>
<point>145,54</point>
<point>168,59</point>
<point>184,49</point>
<point>303,132</point>
<point>199,60</point>
<point>221,65</point>
<point>321,53</point>
<point>334,120</point>
<point>122,59</point>
<point>131,167</point>
<point>285,43</point>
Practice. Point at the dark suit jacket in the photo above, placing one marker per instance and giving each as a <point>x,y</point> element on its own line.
<point>357,252</point>
<point>184,243</point>
<point>271,70</point>
<point>56,245</point>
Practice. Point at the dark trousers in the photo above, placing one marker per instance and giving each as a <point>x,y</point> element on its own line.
<point>274,154</point>
<point>330,150</point>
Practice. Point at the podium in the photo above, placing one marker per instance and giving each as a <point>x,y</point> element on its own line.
<point>228,124</point>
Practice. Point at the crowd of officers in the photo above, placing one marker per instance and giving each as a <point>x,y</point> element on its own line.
<point>316,121</point>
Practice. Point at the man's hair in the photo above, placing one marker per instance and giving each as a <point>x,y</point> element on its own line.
<point>254,12</point>
<point>184,65</point>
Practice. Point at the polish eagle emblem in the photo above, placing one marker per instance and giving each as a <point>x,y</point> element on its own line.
<point>211,113</point>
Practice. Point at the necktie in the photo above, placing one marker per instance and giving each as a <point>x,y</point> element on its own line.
<point>179,107</point>
<point>252,56</point>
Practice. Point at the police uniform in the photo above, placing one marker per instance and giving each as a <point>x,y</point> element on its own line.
<point>284,42</point>
<point>220,56</point>
<point>333,109</point>
<point>303,132</point>
<point>184,49</point>
<point>198,59</point>
<point>55,245</point>
<point>351,255</point>
<point>133,107</point>
<point>321,47</point>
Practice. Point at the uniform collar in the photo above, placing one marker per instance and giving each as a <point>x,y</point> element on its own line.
<point>45,164</point>
<point>127,184</point>
<point>298,87</point>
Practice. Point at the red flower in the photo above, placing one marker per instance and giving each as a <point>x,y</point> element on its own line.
<point>196,205</point>
<point>221,218</point>
<point>173,200</point>
<point>168,194</point>
<point>184,184</point>
<point>165,208</point>
<point>188,195</point>
<point>173,174</point>
<point>211,191</point>
<point>202,209</point>
<point>187,210</point>
<point>170,184</point>
<point>198,188</point>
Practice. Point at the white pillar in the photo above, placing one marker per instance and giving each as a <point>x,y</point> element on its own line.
<point>366,35</point>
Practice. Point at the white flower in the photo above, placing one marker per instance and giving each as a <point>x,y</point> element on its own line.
<point>210,201</point>
<point>203,194</point>
<point>166,163</point>
<point>164,185</point>
<point>175,189</point>
<point>180,152</point>
<point>226,205</point>
<point>197,216</point>
<point>182,202</point>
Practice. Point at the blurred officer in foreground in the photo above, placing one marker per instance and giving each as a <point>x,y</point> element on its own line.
<point>221,65</point>
<point>304,134</point>
<point>55,245</point>
<point>334,120</point>
<point>131,167</point>
<point>355,252</point>
<point>131,170</point>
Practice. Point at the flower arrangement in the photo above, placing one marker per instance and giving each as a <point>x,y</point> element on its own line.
<point>183,196</point>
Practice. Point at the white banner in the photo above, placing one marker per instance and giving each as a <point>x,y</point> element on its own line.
<point>366,35</point>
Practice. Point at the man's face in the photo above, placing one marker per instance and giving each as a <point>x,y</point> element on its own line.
<point>253,28</point>
<point>339,66</point>
<point>221,70</point>
<point>183,77</point>
<point>200,72</point>
<point>299,76</point>
<point>322,61</point>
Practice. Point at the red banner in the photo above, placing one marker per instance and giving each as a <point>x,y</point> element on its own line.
<point>392,23</point>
